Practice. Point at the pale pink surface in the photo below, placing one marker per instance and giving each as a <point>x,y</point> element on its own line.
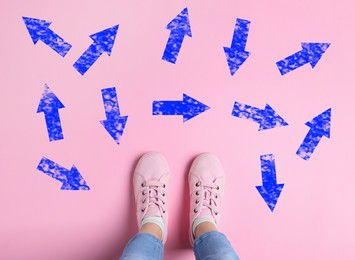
<point>314,218</point>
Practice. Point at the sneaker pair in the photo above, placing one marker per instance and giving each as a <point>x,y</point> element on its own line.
<point>151,183</point>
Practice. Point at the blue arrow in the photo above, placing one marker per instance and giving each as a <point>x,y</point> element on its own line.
<point>236,54</point>
<point>179,26</point>
<point>320,126</point>
<point>270,190</point>
<point>310,53</point>
<point>71,180</point>
<point>266,118</point>
<point>50,105</point>
<point>39,30</point>
<point>188,107</point>
<point>114,123</point>
<point>103,42</point>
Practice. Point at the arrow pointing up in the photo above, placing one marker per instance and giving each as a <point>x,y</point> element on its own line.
<point>114,123</point>
<point>310,53</point>
<point>71,180</point>
<point>266,118</point>
<point>270,191</point>
<point>103,42</point>
<point>179,27</point>
<point>236,54</point>
<point>188,107</point>
<point>320,126</point>
<point>50,105</point>
<point>39,30</point>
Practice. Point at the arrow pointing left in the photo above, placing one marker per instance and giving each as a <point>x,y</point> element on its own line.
<point>103,42</point>
<point>114,123</point>
<point>39,30</point>
<point>50,105</point>
<point>270,190</point>
<point>71,179</point>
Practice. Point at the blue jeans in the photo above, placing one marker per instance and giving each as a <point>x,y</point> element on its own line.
<point>209,246</point>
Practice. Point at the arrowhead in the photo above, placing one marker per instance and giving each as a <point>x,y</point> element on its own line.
<point>192,107</point>
<point>270,194</point>
<point>49,101</point>
<point>320,125</point>
<point>37,28</point>
<point>106,39</point>
<point>270,119</point>
<point>115,127</point>
<point>314,51</point>
<point>181,23</point>
<point>74,181</point>
<point>235,58</point>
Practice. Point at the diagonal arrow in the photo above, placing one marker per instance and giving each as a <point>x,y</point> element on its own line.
<point>266,118</point>
<point>103,42</point>
<point>114,123</point>
<point>188,107</point>
<point>320,126</point>
<point>236,54</point>
<point>310,53</point>
<point>39,30</point>
<point>270,191</point>
<point>179,27</point>
<point>50,105</point>
<point>71,180</point>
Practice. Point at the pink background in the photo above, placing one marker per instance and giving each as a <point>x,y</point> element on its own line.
<point>314,217</point>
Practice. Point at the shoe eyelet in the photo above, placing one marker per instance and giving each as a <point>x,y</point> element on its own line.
<point>143,184</point>
<point>216,197</point>
<point>197,193</point>
<point>142,210</point>
<point>164,185</point>
<point>163,194</point>
<point>163,203</point>
<point>143,193</point>
<point>164,211</point>
<point>195,210</point>
<point>196,201</point>
<point>216,213</point>
<point>198,184</point>
<point>217,187</point>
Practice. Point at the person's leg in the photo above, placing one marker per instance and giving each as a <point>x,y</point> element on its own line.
<point>150,183</point>
<point>206,181</point>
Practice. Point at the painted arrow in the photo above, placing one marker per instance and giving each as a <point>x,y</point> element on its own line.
<point>179,27</point>
<point>50,105</point>
<point>103,42</point>
<point>39,30</point>
<point>71,179</point>
<point>310,53</point>
<point>320,126</point>
<point>270,191</point>
<point>236,54</point>
<point>188,107</point>
<point>266,118</point>
<point>114,123</point>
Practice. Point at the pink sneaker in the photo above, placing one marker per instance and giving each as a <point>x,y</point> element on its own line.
<point>206,181</point>
<point>150,183</point>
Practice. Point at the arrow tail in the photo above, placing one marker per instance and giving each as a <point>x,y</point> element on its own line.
<point>292,62</point>
<point>168,108</point>
<point>308,145</point>
<point>88,58</point>
<point>240,35</point>
<point>173,46</point>
<point>52,169</point>
<point>54,127</point>
<point>268,170</point>
<point>247,112</point>
<point>109,97</point>
<point>56,42</point>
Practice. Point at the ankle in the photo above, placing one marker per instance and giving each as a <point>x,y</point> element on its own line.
<point>204,227</point>
<point>153,229</point>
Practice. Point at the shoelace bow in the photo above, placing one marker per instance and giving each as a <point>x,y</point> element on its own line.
<point>207,194</point>
<point>154,193</point>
